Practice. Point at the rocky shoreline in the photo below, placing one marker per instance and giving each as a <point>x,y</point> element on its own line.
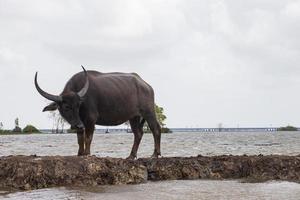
<point>34,172</point>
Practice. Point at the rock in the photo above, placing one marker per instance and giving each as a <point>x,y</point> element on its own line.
<point>260,168</point>
<point>33,172</point>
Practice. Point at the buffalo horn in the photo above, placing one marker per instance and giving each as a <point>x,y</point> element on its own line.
<point>45,94</point>
<point>85,88</point>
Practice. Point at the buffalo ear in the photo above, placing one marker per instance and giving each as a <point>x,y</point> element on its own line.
<point>51,107</point>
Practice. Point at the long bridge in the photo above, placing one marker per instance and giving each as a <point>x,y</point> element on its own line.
<point>174,130</point>
<point>263,129</point>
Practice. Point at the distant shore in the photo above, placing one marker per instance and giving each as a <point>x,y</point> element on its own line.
<point>170,130</point>
<point>175,130</point>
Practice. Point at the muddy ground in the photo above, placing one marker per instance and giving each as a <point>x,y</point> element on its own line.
<point>33,172</point>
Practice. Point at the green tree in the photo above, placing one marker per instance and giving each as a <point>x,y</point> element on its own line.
<point>17,129</point>
<point>30,129</point>
<point>161,117</point>
<point>58,122</point>
<point>287,128</point>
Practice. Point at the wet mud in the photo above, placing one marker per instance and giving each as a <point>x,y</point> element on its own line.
<point>34,172</point>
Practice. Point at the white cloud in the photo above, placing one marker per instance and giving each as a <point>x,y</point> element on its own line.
<point>209,61</point>
<point>292,9</point>
<point>221,20</point>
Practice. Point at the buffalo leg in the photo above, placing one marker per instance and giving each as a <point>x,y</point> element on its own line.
<point>88,139</point>
<point>80,139</point>
<point>156,131</point>
<point>137,129</point>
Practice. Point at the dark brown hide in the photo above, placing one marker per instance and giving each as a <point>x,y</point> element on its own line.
<point>111,99</point>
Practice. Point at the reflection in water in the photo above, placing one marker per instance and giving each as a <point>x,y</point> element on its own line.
<point>175,144</point>
<point>171,190</point>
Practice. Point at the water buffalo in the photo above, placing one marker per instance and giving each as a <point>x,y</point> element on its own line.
<point>107,99</point>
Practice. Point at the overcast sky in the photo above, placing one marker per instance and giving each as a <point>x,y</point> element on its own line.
<point>209,61</point>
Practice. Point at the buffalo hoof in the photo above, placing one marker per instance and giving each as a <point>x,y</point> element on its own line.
<point>131,157</point>
<point>155,155</point>
<point>83,154</point>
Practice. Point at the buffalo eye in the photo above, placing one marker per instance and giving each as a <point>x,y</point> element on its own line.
<point>67,107</point>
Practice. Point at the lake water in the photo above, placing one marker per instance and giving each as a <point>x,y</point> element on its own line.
<point>175,144</point>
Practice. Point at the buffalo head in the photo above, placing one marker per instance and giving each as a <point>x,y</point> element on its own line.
<point>68,104</point>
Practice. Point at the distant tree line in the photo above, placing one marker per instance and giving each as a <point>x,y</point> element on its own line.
<point>288,128</point>
<point>27,129</point>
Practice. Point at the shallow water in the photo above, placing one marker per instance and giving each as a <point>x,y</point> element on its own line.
<point>171,190</point>
<point>175,144</point>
